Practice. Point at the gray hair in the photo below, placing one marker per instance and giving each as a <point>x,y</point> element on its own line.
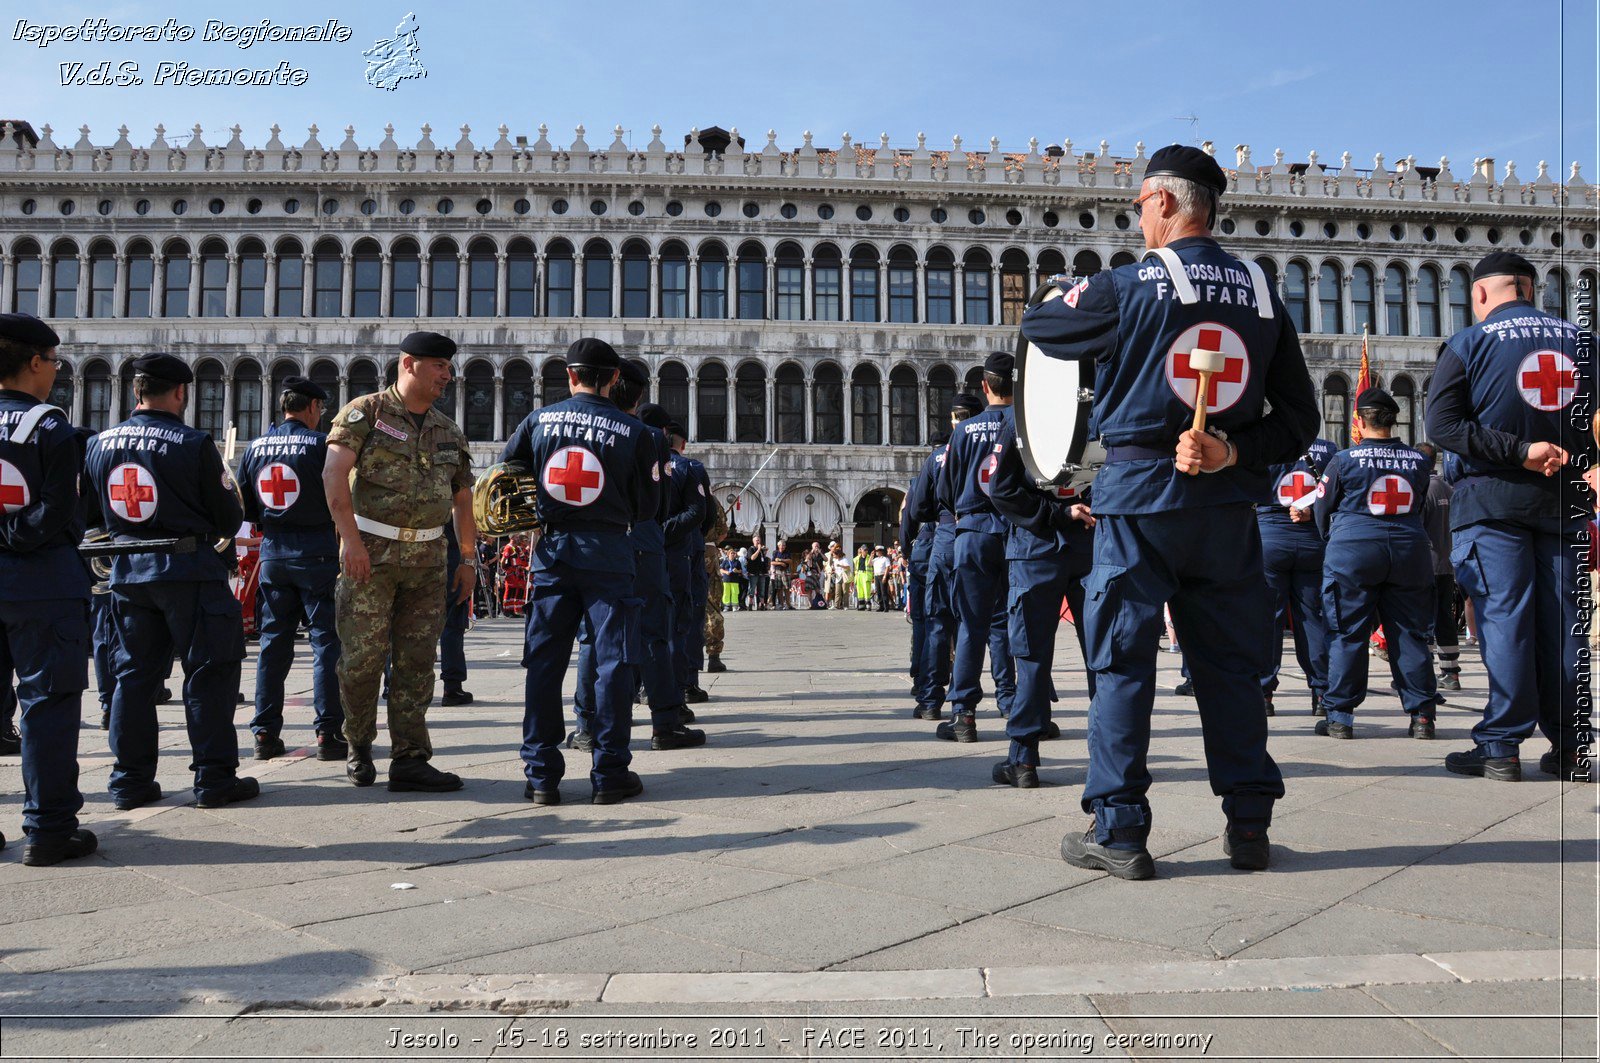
<point>1194,200</point>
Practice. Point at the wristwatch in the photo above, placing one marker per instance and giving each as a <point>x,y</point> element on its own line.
<point>470,562</point>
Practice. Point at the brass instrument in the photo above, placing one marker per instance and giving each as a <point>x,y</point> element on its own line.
<point>505,499</point>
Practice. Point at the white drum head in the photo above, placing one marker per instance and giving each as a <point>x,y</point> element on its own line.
<point>1052,403</point>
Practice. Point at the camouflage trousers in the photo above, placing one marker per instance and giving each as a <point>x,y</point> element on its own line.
<point>397,614</point>
<point>714,629</point>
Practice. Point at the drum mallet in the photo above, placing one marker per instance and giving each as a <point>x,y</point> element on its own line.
<point>1206,364</point>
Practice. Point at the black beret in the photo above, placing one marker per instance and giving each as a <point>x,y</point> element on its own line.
<point>653,415</point>
<point>163,367</point>
<point>28,331</point>
<point>1504,264</point>
<point>966,400</point>
<point>595,353</point>
<point>1000,363</point>
<point>939,439</point>
<point>673,428</point>
<point>1192,164</point>
<point>301,386</point>
<point>429,345</point>
<point>635,374</point>
<point>1377,399</point>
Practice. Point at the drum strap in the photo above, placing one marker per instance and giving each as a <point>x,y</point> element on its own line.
<point>1181,284</point>
<point>1258,280</point>
<point>25,426</point>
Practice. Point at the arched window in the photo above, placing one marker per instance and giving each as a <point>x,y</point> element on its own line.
<point>247,398</point>
<point>750,388</point>
<point>827,283</point>
<point>902,285</point>
<point>141,279</point>
<point>252,280</point>
<point>1330,297</point>
<point>213,279</point>
<point>941,274</point>
<point>1336,410</point>
<point>864,283</point>
<point>367,280</point>
<point>1270,269</point>
<point>61,389</point>
<point>672,385</point>
<point>791,282</point>
<point>405,279</point>
<point>97,396</point>
<point>479,383</point>
<point>1397,317</point>
<point>444,277</point>
<point>30,274</point>
<point>1428,301</point>
<point>976,297</point>
<point>644,368</point>
<point>1404,391</point>
<point>282,370</point>
<point>752,281</point>
<point>327,280</point>
<point>941,391</point>
<point>1555,293</point>
<point>291,279</point>
<point>674,280</point>
<point>827,404</point>
<point>102,282</point>
<point>128,398</point>
<point>597,279</point>
<point>1363,299</point>
<point>1460,299</point>
<point>175,299</point>
<point>635,279</point>
<point>553,383</point>
<point>1297,296</point>
<point>521,279</point>
<point>558,278</point>
<point>64,273</point>
<point>483,277</point>
<point>713,280</point>
<point>1085,264</point>
<point>789,388</point>
<point>363,378</point>
<point>712,400</point>
<point>1015,277</point>
<point>518,393</point>
<point>1051,263</point>
<point>209,411</point>
<point>1122,258</point>
<point>866,406</point>
<point>903,406</point>
<point>325,375</point>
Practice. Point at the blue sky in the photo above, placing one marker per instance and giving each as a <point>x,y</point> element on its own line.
<point>1463,80</point>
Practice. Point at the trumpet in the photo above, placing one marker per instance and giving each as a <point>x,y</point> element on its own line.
<point>505,499</point>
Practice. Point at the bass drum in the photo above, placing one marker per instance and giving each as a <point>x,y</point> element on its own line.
<point>1052,401</point>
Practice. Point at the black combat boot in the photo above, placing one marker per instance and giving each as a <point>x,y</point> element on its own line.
<point>359,767</point>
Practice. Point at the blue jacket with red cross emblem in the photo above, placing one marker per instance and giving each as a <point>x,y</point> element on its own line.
<point>41,515</point>
<point>969,463</point>
<point>1288,481</point>
<point>1140,326</point>
<point>688,504</point>
<point>280,479</point>
<point>1040,518</point>
<point>594,465</point>
<point>1376,487</point>
<point>1520,376</point>
<point>918,520</point>
<point>923,498</point>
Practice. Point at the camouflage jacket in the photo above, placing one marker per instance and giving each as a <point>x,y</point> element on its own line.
<point>719,523</point>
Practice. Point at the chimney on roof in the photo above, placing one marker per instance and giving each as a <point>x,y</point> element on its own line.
<point>713,139</point>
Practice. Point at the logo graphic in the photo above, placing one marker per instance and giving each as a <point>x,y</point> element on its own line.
<point>575,476</point>
<point>278,486</point>
<point>1293,485</point>
<point>1063,491</point>
<point>1548,380</point>
<point>132,491</point>
<point>1226,386</point>
<point>986,472</point>
<point>395,60</point>
<point>1390,496</point>
<point>14,494</point>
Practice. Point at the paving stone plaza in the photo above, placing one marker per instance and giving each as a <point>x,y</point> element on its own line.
<point>822,880</point>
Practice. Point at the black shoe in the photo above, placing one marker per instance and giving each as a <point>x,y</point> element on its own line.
<point>551,796</point>
<point>240,699</point>
<point>1568,767</point>
<point>1050,731</point>
<point>927,712</point>
<point>685,714</point>
<point>1081,850</point>
<point>455,696</point>
<point>10,741</point>
<point>127,802</point>
<point>679,737</point>
<point>582,741</point>
<point>413,774</point>
<point>1450,681</point>
<point>960,728</point>
<point>163,696</point>
<point>268,747</point>
<point>1421,727</point>
<point>332,747</point>
<point>241,789</point>
<point>1328,729</point>
<point>1184,689</point>
<point>1247,850</point>
<point>1316,706</point>
<point>1474,762</point>
<point>714,664</point>
<point>105,719</point>
<point>630,785</point>
<point>695,696</point>
<point>1270,710</point>
<point>1022,776</point>
<point>358,768</point>
<point>52,849</point>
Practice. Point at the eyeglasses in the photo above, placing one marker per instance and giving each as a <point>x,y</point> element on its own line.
<point>1138,204</point>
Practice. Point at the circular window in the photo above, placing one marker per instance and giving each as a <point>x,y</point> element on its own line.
<point>29,206</point>
<point>292,206</point>
<point>1086,220</point>
<point>902,214</point>
<point>825,212</point>
<point>1555,240</point>
<point>1429,233</point>
<point>558,207</point>
<point>1363,231</point>
<point>105,207</point>
<point>1228,226</point>
<point>1525,237</point>
<point>636,208</point>
<point>1051,219</point>
<point>253,206</point>
<point>1013,217</point>
<point>1461,234</point>
<point>141,207</point>
<point>597,207</point>
<point>215,206</point>
<point>446,205</point>
<point>180,206</point>
<point>1263,227</point>
<point>750,210</point>
<point>863,214</point>
<point>789,210</point>
<point>1493,236</point>
<point>1330,230</point>
<point>939,215</point>
<point>68,206</point>
<point>369,206</point>
<point>330,206</point>
<point>1296,229</point>
<point>976,217</point>
<point>713,209</point>
<point>674,208</point>
<point>1588,241</point>
<point>522,206</point>
<point>1397,232</point>
<point>483,206</point>
<point>1122,221</point>
<point>407,206</point>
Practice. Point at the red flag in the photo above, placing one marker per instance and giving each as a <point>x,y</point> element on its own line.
<point>1363,382</point>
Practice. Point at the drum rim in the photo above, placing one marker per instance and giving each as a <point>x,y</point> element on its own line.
<point>1080,432</point>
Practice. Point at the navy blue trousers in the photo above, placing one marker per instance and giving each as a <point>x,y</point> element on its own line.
<point>560,599</point>
<point>1293,565</point>
<point>202,622</point>
<point>982,600</point>
<point>939,624</point>
<point>662,694</point>
<point>1207,564</point>
<point>292,588</point>
<point>687,615</point>
<point>453,639</point>
<point>46,643</point>
<point>1034,618</point>
<point>104,631</point>
<point>916,580</point>
<point>699,589</point>
<point>1528,594</point>
<point>1385,573</point>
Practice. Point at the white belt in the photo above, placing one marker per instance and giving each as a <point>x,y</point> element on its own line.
<point>404,535</point>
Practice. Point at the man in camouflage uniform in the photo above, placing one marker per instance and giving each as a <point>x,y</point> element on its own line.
<point>397,469</point>
<point>714,628</point>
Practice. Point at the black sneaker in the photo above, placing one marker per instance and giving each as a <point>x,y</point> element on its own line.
<point>332,747</point>
<point>927,712</point>
<point>1081,850</point>
<point>630,785</point>
<point>42,851</point>
<point>1421,727</point>
<point>1022,776</point>
<point>242,788</point>
<point>1328,729</point>
<point>454,695</point>
<point>714,664</point>
<point>1247,850</point>
<point>551,796</point>
<point>1050,732</point>
<point>582,741</point>
<point>1184,689</point>
<point>358,767</point>
<point>1474,762</point>
<point>130,800</point>
<point>10,740</point>
<point>1450,681</point>
<point>679,737</point>
<point>413,775</point>
<point>959,728</point>
<point>695,696</point>
<point>268,747</point>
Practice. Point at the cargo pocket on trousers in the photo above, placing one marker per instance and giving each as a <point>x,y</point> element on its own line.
<point>1332,606</point>
<point>222,629</point>
<point>1103,623</point>
<point>1469,569</point>
<point>1017,623</point>
<point>69,654</point>
<point>631,613</point>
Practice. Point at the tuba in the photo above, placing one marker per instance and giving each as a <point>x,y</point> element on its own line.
<point>505,499</point>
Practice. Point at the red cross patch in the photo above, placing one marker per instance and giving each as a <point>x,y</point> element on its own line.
<point>278,486</point>
<point>986,472</point>
<point>1547,380</point>
<point>1295,485</point>
<point>574,476</point>
<point>1227,387</point>
<point>1072,293</point>
<point>1390,496</point>
<point>14,493</point>
<point>132,492</point>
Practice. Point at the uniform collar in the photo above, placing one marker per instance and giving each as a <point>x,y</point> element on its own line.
<point>157,413</point>
<point>1515,304</point>
<point>19,396</point>
<point>1193,241</point>
<point>391,395</point>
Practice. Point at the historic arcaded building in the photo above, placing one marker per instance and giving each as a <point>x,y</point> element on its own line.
<point>806,310</point>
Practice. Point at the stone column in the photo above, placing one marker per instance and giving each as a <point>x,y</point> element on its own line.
<point>385,284</point>
<point>308,292</point>
<point>1411,315</point>
<point>227,399</point>
<point>1347,298</point>
<point>694,286</point>
<point>425,291</point>
<point>81,303</point>
<point>655,285</point>
<point>883,414</point>
<point>578,296</point>
<point>269,298</point>
<point>502,285</point>
<point>114,414</point>
<point>920,435</point>
<point>847,292</point>
<point>809,407</point>
<point>539,286</point>
<point>922,290</point>
<point>461,402</point>
<point>616,283</point>
<point>772,410</point>
<point>8,281</point>
<point>347,285</point>
<point>158,292</point>
<point>694,407</point>
<point>996,303</point>
<point>809,311</point>
<point>232,307</point>
<point>849,410</point>
<point>883,289</point>
<point>47,283</point>
<point>499,406</point>
<point>961,294</point>
<point>772,289</point>
<point>77,394</point>
<point>463,262</point>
